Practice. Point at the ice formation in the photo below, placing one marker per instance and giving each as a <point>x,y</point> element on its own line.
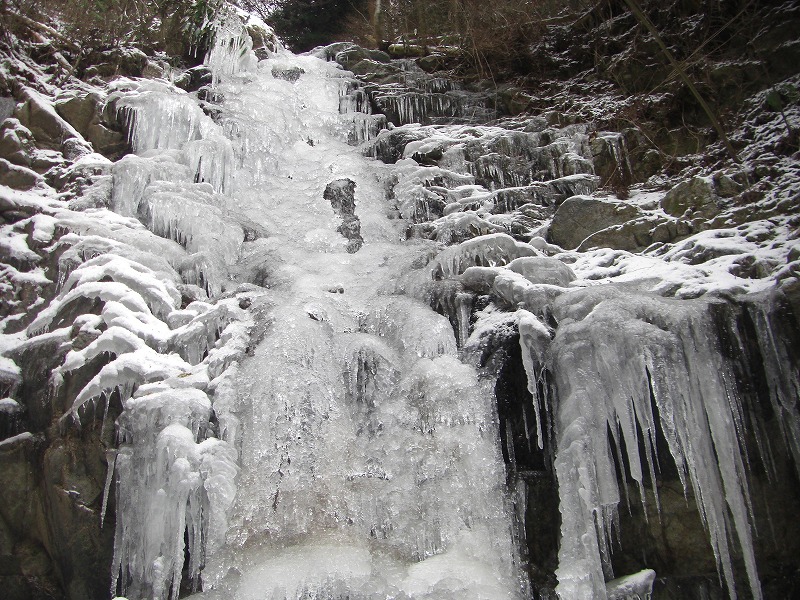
<point>316,434</point>
<point>352,440</point>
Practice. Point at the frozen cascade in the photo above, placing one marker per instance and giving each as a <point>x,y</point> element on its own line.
<point>368,463</point>
<point>316,435</point>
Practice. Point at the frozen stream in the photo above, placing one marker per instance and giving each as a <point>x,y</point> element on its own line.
<point>369,464</point>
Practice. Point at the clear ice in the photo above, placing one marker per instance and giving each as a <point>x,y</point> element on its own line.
<point>346,450</point>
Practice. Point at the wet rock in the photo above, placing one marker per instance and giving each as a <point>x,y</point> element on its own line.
<point>581,216</point>
<point>341,194</point>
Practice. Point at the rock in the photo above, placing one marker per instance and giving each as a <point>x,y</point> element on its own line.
<point>341,194</point>
<point>543,269</point>
<point>610,156</point>
<point>436,62</point>
<point>86,112</point>
<point>391,143</point>
<point>696,196</point>
<point>579,217</point>
<point>265,43</point>
<point>405,50</point>
<point>16,142</point>
<point>74,149</point>
<point>79,109</point>
<point>7,105</point>
<point>74,474</point>
<point>291,74</point>
<point>109,143</point>
<point>513,100</point>
<point>48,128</point>
<point>193,79</point>
<point>374,71</point>
<point>349,57</point>
<point>631,236</point>
<point>153,70</point>
<point>18,177</point>
<point>725,186</point>
<point>123,60</point>
<point>330,51</point>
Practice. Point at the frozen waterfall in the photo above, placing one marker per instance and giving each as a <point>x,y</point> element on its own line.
<point>368,459</point>
<point>306,425</point>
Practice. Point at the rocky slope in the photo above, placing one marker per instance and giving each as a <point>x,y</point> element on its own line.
<point>605,172</point>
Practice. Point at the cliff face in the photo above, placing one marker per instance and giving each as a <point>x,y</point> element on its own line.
<point>627,288</point>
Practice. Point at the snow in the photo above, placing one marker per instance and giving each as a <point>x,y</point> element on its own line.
<point>638,586</point>
<point>334,443</point>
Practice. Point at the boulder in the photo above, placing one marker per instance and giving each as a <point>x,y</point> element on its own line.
<point>349,57</point>
<point>79,109</point>
<point>18,177</point>
<point>631,235</point>
<point>373,70</point>
<point>193,79</point>
<point>86,113</point>
<point>579,217</point>
<point>16,142</point>
<point>49,129</point>
<point>695,197</point>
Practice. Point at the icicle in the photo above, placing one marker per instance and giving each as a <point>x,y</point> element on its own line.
<point>111,461</point>
<point>233,49</point>
<point>660,347</point>
<point>534,339</point>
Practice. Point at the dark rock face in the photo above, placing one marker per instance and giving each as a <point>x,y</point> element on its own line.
<point>581,216</point>
<point>341,194</point>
